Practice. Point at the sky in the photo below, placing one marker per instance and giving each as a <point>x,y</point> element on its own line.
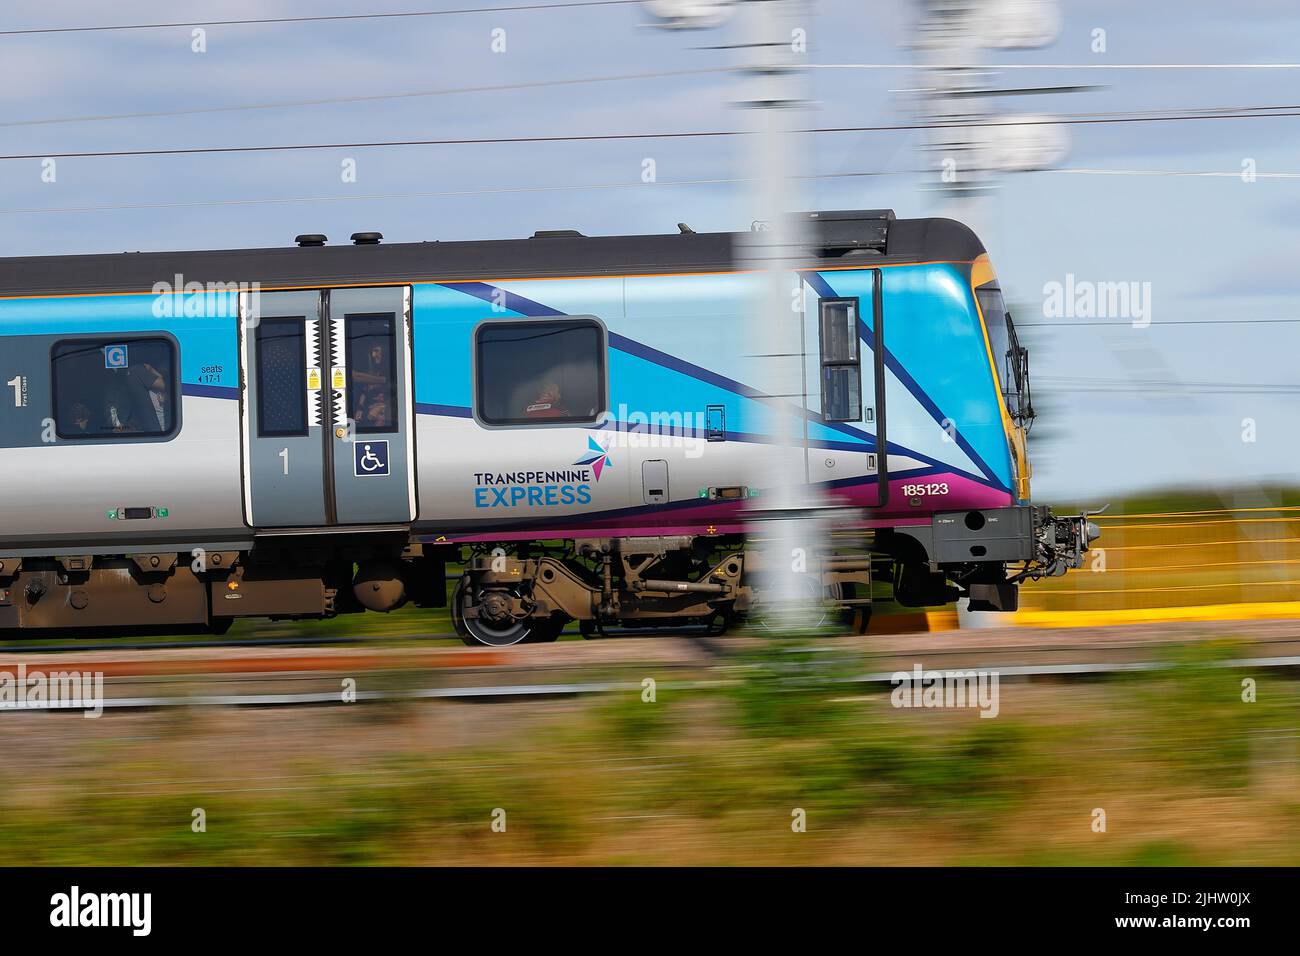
<point>1214,249</point>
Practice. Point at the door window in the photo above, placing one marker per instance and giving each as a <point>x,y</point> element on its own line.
<point>281,377</point>
<point>372,372</point>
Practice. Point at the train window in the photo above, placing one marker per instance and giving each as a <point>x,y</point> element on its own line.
<point>281,377</point>
<point>118,389</point>
<point>841,361</point>
<point>372,371</point>
<point>840,331</point>
<point>1000,342</point>
<point>540,372</point>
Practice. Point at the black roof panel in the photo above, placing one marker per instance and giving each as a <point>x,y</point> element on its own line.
<point>550,256</point>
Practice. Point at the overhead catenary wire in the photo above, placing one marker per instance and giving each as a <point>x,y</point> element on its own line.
<point>1261,109</point>
<point>570,4</point>
<point>1090,384</point>
<point>317,18</point>
<point>632,136</point>
<point>441,194</point>
<point>1187,173</point>
<point>364,97</point>
<point>627,184</point>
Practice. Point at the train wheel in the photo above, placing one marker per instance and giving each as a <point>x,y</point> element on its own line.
<point>480,632</point>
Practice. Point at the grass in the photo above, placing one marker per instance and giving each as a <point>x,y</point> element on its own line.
<point>1185,771</point>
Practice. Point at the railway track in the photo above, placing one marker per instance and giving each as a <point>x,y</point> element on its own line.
<point>287,673</point>
<point>19,647</point>
<point>507,692</point>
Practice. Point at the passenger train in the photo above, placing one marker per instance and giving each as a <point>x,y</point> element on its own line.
<point>570,422</point>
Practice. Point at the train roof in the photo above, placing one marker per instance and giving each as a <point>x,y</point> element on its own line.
<point>840,237</point>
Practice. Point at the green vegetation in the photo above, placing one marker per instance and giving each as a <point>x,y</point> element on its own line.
<point>1170,500</point>
<point>1185,771</point>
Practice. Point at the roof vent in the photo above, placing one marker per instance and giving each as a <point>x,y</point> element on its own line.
<point>310,239</point>
<point>558,234</point>
<point>684,229</point>
<point>366,238</point>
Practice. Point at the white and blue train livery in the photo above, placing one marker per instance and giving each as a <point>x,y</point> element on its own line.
<point>194,437</point>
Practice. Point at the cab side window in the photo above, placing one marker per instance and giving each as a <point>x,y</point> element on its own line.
<point>994,310</point>
<point>114,389</point>
<point>540,372</point>
<point>841,361</point>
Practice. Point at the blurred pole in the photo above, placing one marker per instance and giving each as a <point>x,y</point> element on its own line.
<point>770,46</point>
<point>965,150</point>
<point>775,99</point>
<point>947,42</point>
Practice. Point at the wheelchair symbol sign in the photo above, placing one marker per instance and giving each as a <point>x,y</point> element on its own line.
<point>369,458</point>
<point>114,356</point>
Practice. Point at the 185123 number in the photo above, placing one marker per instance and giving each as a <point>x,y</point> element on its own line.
<point>916,491</point>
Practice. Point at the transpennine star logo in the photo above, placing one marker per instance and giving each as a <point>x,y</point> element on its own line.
<point>596,457</point>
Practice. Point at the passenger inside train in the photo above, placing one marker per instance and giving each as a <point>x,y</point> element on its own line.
<point>547,403</point>
<point>116,390</point>
<point>373,386</point>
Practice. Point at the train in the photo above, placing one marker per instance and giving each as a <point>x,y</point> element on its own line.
<point>565,426</point>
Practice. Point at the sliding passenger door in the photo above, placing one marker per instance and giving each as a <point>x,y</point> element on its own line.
<point>372,443</point>
<point>282,352</point>
<point>328,416</point>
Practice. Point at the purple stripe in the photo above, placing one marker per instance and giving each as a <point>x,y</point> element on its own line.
<point>210,391</point>
<point>446,411</point>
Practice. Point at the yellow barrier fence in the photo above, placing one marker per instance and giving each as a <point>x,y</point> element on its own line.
<point>1237,564</point>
